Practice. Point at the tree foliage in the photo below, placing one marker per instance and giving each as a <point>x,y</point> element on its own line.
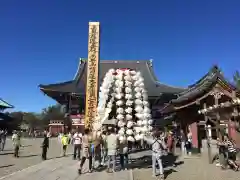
<point>31,121</point>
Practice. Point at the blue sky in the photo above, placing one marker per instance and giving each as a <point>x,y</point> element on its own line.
<point>41,41</point>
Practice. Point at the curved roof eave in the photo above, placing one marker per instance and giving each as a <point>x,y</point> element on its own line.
<point>5,104</point>
<point>155,80</point>
<point>80,69</point>
<point>206,82</point>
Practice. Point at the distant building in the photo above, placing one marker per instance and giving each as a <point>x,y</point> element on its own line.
<point>4,118</point>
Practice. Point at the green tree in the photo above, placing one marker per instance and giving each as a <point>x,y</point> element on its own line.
<point>236,78</point>
<point>52,113</point>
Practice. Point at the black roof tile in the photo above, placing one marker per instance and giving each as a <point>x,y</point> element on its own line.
<point>77,85</point>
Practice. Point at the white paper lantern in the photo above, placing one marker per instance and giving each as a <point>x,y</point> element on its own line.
<point>146,110</point>
<point>127,78</point>
<point>137,89</point>
<point>138,95</point>
<point>135,78</point>
<point>128,90</point>
<point>128,110</point>
<point>145,103</point>
<point>129,124</point>
<point>120,117</point>
<point>120,110</point>
<point>150,122</point>
<point>136,83</point>
<point>138,102</point>
<point>121,123</point>
<point>118,96</point>
<point>138,109</point>
<point>119,103</point>
<point>128,83</point>
<point>145,122</point>
<point>139,122</point>
<point>132,72</point>
<point>121,132</point>
<point>137,129</point>
<point>144,129</point>
<point>128,117</point>
<point>139,115</point>
<point>141,85</point>
<point>129,132</point>
<point>129,103</point>
<point>150,128</point>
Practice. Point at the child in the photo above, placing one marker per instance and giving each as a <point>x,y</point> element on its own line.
<point>65,141</point>
<point>123,148</point>
<point>16,144</point>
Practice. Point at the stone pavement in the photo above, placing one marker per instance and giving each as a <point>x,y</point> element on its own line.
<point>63,169</point>
<point>192,168</point>
<point>30,154</point>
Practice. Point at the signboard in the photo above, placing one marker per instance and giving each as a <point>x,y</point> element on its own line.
<point>92,73</point>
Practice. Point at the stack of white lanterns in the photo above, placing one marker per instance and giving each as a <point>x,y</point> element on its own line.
<point>125,89</point>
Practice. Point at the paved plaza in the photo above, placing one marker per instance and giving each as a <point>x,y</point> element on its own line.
<point>30,166</point>
<point>30,154</point>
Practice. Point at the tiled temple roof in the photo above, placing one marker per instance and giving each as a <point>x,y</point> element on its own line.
<point>77,85</point>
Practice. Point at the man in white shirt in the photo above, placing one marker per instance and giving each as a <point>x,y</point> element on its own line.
<point>77,142</point>
<point>112,144</point>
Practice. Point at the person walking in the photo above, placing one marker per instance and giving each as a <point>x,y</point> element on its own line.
<point>86,146</point>
<point>158,146</point>
<point>104,148</point>
<point>77,143</point>
<point>112,144</point>
<point>65,142</point>
<point>16,143</point>
<point>232,152</point>
<point>123,151</point>
<point>45,146</point>
<point>183,142</point>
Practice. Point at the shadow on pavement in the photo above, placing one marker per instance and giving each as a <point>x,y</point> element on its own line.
<point>9,165</point>
<point>168,172</point>
<point>27,156</point>
<point>171,160</point>
<point>6,153</point>
<point>57,157</point>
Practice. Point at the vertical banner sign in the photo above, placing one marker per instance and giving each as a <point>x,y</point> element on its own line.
<point>92,73</point>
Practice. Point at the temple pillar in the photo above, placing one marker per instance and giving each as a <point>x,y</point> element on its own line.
<point>194,130</point>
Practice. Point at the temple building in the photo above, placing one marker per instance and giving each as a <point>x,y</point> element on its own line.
<point>71,94</point>
<point>207,108</point>
<point>4,118</point>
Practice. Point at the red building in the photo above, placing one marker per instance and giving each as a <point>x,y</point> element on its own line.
<point>57,126</point>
